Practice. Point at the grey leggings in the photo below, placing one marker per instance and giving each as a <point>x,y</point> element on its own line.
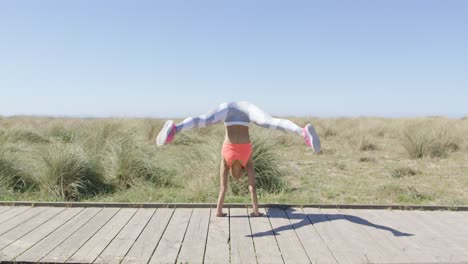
<point>238,113</point>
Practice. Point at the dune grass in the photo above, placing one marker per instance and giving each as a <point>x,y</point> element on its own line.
<point>65,172</point>
<point>127,163</point>
<point>13,175</point>
<point>364,161</point>
<point>426,139</point>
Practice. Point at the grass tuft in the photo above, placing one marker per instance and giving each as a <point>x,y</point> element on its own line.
<point>63,135</point>
<point>127,163</point>
<point>24,135</point>
<point>364,144</point>
<point>329,132</point>
<point>98,134</point>
<point>402,172</point>
<point>186,139</point>
<point>405,194</point>
<point>13,176</point>
<point>433,141</point>
<point>67,173</point>
<point>367,159</point>
<point>339,165</point>
<point>327,129</point>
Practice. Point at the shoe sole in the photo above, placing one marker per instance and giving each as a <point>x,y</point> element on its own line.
<point>314,137</point>
<point>164,133</point>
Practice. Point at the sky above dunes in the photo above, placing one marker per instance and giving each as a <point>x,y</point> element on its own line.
<point>181,58</point>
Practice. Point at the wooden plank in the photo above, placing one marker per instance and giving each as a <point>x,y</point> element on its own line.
<point>450,240</point>
<point>20,219</point>
<point>193,248</point>
<point>379,247</point>
<point>343,249</point>
<point>68,247</point>
<point>39,250</point>
<point>288,241</point>
<point>455,224</point>
<point>12,213</point>
<point>95,245</point>
<point>27,241</point>
<point>456,220</point>
<point>266,247</point>
<point>146,243</point>
<point>442,249</point>
<point>217,244</point>
<point>170,243</point>
<point>26,227</point>
<point>4,209</point>
<point>369,249</point>
<point>118,248</point>
<point>314,246</point>
<point>242,247</point>
<point>415,246</point>
<point>385,235</point>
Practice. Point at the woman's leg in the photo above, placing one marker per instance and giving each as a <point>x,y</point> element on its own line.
<point>263,119</point>
<point>169,130</point>
<point>213,117</point>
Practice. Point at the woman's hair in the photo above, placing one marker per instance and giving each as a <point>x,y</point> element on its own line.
<point>236,169</point>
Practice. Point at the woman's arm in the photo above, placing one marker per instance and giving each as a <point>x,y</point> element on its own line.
<point>223,181</point>
<point>252,188</point>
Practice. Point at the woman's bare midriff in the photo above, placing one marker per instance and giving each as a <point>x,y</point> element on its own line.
<point>237,134</point>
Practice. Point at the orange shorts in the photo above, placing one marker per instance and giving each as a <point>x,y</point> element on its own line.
<point>241,152</point>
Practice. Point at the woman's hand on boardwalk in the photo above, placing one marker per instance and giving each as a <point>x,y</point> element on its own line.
<point>221,214</point>
<point>257,214</point>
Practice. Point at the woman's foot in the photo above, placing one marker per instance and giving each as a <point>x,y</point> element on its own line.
<point>311,138</point>
<point>167,133</point>
<point>221,214</point>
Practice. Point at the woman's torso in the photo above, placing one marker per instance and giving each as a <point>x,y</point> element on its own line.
<point>237,134</point>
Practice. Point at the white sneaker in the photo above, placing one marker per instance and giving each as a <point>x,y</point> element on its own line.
<point>167,133</point>
<point>311,138</point>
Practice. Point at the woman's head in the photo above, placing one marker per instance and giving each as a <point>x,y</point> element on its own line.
<point>236,169</point>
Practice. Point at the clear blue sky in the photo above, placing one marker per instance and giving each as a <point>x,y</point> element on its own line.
<point>178,58</point>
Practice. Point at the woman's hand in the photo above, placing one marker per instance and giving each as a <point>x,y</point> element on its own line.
<point>256,214</point>
<point>221,214</point>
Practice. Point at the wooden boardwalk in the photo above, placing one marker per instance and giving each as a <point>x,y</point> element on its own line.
<point>195,235</point>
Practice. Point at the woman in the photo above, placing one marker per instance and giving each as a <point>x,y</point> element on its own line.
<point>237,148</point>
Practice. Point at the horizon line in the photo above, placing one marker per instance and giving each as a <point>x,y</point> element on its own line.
<point>404,116</point>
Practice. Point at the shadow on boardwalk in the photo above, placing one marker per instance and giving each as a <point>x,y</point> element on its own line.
<point>314,219</point>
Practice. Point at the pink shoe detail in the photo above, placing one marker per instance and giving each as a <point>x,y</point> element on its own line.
<point>171,135</point>
<point>311,138</point>
<point>167,133</point>
<point>306,137</point>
